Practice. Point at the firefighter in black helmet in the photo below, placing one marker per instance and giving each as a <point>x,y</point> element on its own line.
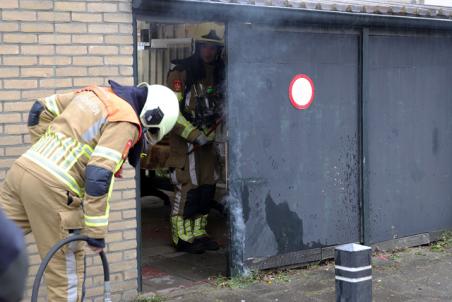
<point>189,151</point>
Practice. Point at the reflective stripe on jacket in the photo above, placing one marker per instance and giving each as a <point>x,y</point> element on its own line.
<point>92,127</point>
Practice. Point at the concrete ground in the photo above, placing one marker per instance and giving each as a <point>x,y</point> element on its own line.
<point>414,274</point>
<point>164,269</point>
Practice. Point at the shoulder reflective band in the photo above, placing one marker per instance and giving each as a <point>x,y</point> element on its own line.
<point>51,104</point>
<point>107,153</point>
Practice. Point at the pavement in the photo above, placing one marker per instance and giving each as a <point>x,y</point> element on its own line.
<point>414,274</point>
<point>163,268</point>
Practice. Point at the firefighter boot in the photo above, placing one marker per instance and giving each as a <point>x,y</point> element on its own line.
<point>200,234</point>
<point>182,235</point>
<point>191,248</point>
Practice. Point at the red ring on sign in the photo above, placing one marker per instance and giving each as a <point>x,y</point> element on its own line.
<point>294,103</point>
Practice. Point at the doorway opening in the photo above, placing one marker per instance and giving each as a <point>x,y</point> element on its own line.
<point>163,266</point>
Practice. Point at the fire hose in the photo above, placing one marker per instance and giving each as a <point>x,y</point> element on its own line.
<point>53,250</point>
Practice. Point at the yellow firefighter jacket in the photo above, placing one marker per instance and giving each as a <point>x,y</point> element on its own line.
<point>92,129</point>
<point>172,151</point>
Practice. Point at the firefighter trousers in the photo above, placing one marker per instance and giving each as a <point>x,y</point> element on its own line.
<point>194,190</point>
<point>43,209</point>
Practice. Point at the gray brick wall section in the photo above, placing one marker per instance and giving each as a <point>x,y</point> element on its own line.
<point>49,47</point>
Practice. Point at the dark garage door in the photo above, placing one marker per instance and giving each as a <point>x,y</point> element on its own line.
<point>408,130</point>
<point>296,171</point>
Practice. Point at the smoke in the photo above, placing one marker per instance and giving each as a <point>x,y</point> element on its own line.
<point>237,232</point>
<point>234,200</point>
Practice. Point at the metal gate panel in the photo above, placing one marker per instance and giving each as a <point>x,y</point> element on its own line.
<point>408,130</point>
<point>293,172</point>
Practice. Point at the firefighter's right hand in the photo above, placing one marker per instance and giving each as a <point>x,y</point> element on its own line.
<point>96,250</point>
<point>202,139</point>
<point>96,245</point>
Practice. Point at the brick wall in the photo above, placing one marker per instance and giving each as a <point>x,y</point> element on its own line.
<point>48,47</point>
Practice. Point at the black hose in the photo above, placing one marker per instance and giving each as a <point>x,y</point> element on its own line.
<point>53,250</point>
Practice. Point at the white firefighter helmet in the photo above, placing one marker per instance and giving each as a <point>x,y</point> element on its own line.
<point>159,113</point>
<point>209,33</point>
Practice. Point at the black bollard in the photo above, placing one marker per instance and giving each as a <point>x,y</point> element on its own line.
<point>353,273</point>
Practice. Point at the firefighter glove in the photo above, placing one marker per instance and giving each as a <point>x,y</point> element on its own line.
<point>95,242</point>
<point>202,139</point>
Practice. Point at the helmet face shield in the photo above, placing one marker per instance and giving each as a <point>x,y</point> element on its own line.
<point>151,135</point>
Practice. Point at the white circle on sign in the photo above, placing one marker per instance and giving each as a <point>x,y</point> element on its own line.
<point>301,91</point>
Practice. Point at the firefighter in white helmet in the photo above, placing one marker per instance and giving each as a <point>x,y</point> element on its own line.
<point>63,183</point>
<point>188,151</point>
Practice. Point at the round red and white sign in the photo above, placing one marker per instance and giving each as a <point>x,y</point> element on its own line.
<point>301,91</point>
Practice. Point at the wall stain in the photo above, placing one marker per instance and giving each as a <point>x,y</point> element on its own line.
<point>285,225</point>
